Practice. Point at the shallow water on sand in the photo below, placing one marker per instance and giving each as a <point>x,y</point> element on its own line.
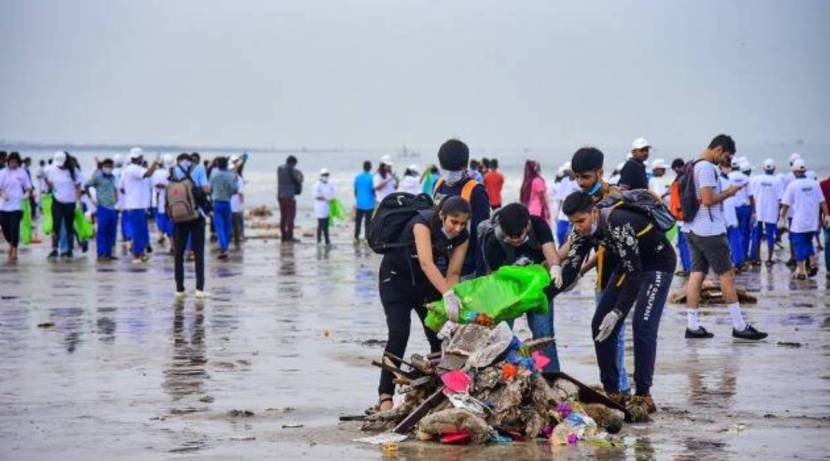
<point>97,360</point>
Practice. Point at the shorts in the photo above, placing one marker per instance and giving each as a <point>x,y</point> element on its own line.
<point>710,252</point>
<point>802,243</point>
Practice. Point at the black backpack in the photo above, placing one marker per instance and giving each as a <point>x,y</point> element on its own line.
<point>641,201</point>
<point>689,202</point>
<point>391,217</point>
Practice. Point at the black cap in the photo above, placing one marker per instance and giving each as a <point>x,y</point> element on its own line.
<point>453,155</point>
<point>587,159</point>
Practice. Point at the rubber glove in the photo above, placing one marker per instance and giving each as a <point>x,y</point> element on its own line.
<point>556,275</point>
<point>607,325</point>
<point>452,304</point>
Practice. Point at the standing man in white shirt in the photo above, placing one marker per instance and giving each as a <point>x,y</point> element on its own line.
<point>743,204</point>
<point>160,180</point>
<point>133,180</point>
<point>657,184</point>
<point>707,240</point>
<point>323,192</point>
<point>384,180</point>
<point>767,192</point>
<point>803,196</point>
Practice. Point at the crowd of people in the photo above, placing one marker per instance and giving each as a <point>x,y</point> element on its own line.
<point>584,220</point>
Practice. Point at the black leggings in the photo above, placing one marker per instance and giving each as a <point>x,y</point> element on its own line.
<point>398,311</point>
<point>196,231</point>
<point>366,217</point>
<point>10,222</point>
<point>65,212</point>
<point>323,229</point>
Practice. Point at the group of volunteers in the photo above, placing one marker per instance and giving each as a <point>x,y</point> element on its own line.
<point>128,195</point>
<point>622,227</point>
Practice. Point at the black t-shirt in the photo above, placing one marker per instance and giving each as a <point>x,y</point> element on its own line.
<point>633,175</point>
<point>540,234</point>
<point>480,206</point>
<point>402,263</point>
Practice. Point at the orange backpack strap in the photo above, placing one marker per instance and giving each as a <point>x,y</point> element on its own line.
<point>467,190</point>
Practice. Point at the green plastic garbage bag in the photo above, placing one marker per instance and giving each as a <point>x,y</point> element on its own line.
<point>336,211</point>
<point>503,295</point>
<point>26,222</point>
<point>83,226</point>
<point>671,235</point>
<point>46,220</point>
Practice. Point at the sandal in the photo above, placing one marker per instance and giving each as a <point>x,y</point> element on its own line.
<point>376,408</point>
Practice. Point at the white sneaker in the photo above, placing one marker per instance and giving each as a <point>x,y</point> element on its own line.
<point>181,294</point>
<point>202,294</point>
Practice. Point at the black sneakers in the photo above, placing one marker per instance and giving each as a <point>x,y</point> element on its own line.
<point>749,333</point>
<point>700,333</point>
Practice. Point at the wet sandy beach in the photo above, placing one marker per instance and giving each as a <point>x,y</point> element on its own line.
<point>98,361</point>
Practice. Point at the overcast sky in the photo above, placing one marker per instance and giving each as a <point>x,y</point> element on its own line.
<point>388,72</point>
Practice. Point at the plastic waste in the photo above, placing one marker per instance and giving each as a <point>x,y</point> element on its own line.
<point>503,295</point>
<point>26,223</point>
<point>337,212</point>
<point>83,226</point>
<point>46,219</point>
<point>499,340</point>
<point>456,381</point>
<point>382,438</point>
<point>455,438</point>
<point>469,403</point>
<point>576,426</point>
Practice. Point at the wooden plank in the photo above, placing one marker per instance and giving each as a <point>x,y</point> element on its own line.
<point>420,412</point>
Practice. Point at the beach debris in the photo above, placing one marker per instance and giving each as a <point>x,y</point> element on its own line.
<point>45,325</point>
<point>382,438</point>
<point>240,413</point>
<point>292,426</point>
<point>487,386</point>
<point>713,295</point>
<point>789,344</point>
<point>260,212</point>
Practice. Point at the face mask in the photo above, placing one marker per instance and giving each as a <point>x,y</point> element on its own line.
<point>324,179</point>
<point>596,188</point>
<point>107,170</point>
<point>185,164</point>
<point>452,177</point>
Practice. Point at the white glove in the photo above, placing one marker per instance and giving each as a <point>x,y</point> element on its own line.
<point>452,304</point>
<point>556,275</point>
<point>607,326</point>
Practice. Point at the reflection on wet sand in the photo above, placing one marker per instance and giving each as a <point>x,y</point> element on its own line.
<point>186,373</point>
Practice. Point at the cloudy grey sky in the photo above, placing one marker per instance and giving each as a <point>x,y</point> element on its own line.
<point>379,73</point>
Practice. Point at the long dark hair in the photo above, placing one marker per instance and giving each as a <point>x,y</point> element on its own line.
<point>71,164</point>
<point>531,173</point>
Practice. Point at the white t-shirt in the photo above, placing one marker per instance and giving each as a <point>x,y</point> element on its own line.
<point>708,220</point>
<point>804,197</point>
<point>566,187</point>
<point>660,187</point>
<point>767,191</point>
<point>236,203</point>
<point>63,187</point>
<point>388,186</point>
<point>730,215</point>
<point>135,188</point>
<point>148,199</point>
<point>13,187</point>
<point>160,181</point>
<point>325,190</point>
<point>410,184</point>
<point>737,178</point>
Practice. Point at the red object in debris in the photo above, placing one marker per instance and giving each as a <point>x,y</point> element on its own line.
<point>457,381</point>
<point>539,360</point>
<point>456,437</point>
<point>508,371</point>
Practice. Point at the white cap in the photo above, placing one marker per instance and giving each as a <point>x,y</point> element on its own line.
<point>769,164</point>
<point>324,172</point>
<point>798,165</point>
<point>567,166</point>
<point>233,158</point>
<point>168,160</point>
<point>386,160</point>
<point>640,143</point>
<point>414,168</point>
<point>117,158</point>
<point>136,153</point>
<point>736,162</point>
<point>745,165</point>
<point>794,156</point>
<point>658,164</point>
<point>60,157</point>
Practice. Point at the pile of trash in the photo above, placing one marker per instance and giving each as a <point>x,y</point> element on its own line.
<point>487,386</point>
